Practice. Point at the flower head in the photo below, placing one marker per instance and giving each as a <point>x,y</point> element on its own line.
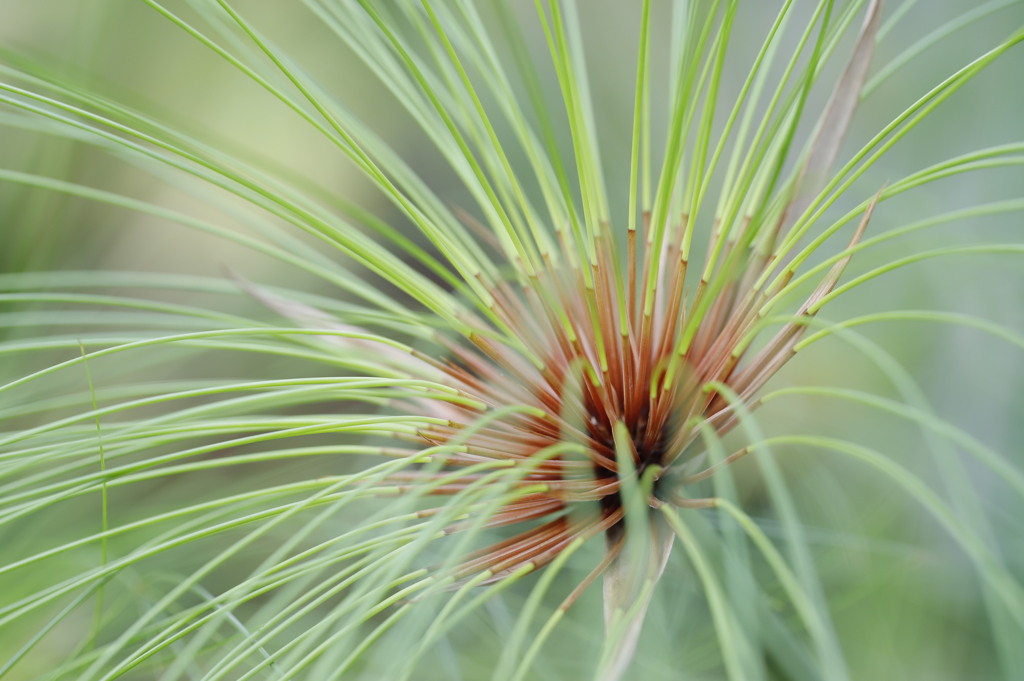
<point>627,375</point>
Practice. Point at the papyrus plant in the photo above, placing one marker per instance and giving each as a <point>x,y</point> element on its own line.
<point>501,443</point>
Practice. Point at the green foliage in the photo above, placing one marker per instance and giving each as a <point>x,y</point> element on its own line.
<point>320,324</point>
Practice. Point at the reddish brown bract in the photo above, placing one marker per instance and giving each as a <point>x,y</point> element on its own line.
<point>596,350</point>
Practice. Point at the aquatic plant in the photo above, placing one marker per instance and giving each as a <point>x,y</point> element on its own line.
<point>540,362</point>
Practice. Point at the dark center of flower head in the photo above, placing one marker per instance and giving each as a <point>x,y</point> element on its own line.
<point>649,447</point>
<point>600,376</point>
